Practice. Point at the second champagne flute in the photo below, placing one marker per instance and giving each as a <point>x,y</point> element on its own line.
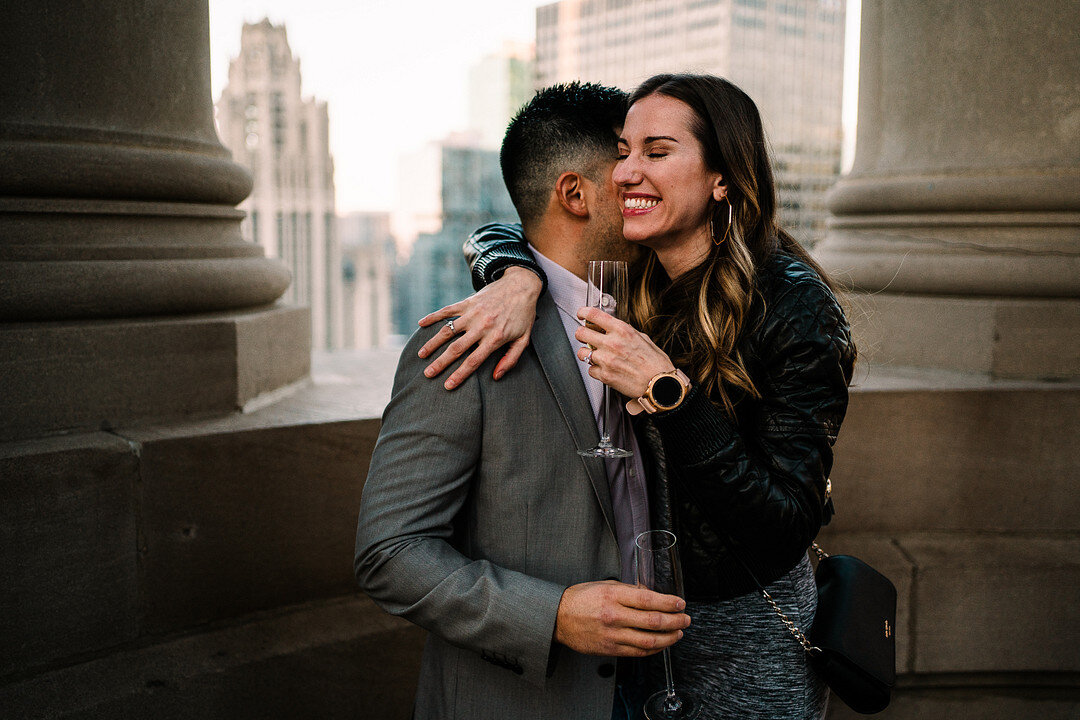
<point>659,569</point>
<point>607,291</point>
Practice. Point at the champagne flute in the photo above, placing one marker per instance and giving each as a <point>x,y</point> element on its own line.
<point>659,569</point>
<point>607,291</point>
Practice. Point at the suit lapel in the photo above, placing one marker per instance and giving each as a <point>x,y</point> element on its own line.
<point>559,363</point>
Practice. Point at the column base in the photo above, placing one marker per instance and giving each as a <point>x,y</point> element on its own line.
<point>81,375</point>
<point>1000,337</point>
<point>1015,254</point>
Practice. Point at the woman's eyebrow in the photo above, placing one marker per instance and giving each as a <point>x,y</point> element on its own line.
<point>652,138</point>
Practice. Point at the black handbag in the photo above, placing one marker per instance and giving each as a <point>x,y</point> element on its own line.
<point>853,638</point>
<point>852,643</point>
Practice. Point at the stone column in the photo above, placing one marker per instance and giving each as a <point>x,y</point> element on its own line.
<point>126,291</point>
<point>959,227</point>
<point>960,219</point>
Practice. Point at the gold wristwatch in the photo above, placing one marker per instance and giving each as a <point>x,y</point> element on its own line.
<point>664,392</point>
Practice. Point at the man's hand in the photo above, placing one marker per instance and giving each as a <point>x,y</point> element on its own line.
<point>614,619</point>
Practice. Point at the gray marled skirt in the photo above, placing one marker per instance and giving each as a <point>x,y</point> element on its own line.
<point>744,664</point>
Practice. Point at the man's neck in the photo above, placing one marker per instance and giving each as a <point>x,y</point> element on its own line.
<point>561,242</point>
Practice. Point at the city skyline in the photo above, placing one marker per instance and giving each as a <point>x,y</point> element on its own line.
<point>337,58</point>
<point>787,55</point>
<point>282,138</point>
<point>388,91</point>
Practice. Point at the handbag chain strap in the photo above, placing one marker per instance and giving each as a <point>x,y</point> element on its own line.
<point>798,634</point>
<point>791,626</point>
<point>788,623</point>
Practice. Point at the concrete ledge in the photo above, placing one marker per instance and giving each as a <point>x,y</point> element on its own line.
<point>234,522</point>
<point>68,566</point>
<point>942,452</point>
<point>978,603</point>
<point>1001,337</point>
<point>148,370</point>
<point>954,486</point>
<point>342,658</point>
<point>1012,699</point>
<point>995,604</point>
<point>110,537</point>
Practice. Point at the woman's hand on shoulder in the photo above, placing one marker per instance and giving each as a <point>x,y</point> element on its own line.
<point>621,357</point>
<point>501,313</point>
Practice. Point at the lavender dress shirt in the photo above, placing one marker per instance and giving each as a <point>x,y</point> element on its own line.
<point>626,476</point>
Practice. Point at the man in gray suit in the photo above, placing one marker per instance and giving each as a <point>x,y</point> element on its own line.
<point>479,520</point>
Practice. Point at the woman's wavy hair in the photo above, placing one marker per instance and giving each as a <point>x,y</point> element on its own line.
<point>700,318</point>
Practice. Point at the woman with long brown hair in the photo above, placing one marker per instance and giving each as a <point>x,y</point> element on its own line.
<point>740,355</point>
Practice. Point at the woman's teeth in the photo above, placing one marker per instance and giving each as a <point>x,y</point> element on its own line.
<point>640,203</point>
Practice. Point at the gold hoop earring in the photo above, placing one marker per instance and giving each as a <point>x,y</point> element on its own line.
<point>730,217</point>
<point>727,231</point>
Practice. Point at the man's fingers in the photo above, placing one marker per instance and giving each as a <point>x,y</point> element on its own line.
<point>600,618</point>
<point>655,621</point>
<point>645,599</point>
<point>641,609</point>
<point>637,643</point>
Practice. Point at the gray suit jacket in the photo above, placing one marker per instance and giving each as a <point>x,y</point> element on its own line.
<point>476,514</point>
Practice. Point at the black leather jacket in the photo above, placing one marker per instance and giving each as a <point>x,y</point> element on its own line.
<point>758,478</point>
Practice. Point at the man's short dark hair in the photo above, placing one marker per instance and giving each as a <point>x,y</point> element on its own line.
<point>564,128</point>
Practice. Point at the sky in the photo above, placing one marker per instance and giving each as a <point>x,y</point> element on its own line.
<point>394,73</point>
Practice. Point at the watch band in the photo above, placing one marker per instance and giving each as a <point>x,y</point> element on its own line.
<point>648,401</point>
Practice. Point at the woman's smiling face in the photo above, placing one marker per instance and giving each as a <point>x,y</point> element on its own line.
<point>664,184</point>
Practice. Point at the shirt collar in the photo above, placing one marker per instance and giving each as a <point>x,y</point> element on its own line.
<point>568,291</point>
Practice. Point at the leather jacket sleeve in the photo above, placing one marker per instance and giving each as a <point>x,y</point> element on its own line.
<point>761,479</point>
<point>494,247</point>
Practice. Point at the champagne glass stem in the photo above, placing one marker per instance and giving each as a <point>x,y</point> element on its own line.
<point>671,703</point>
<point>605,431</point>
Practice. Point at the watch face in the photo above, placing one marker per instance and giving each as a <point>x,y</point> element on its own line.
<point>666,391</point>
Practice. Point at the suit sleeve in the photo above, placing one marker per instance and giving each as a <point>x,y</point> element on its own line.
<point>763,483</point>
<point>406,558</point>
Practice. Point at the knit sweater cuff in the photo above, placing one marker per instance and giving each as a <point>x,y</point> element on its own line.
<point>695,431</point>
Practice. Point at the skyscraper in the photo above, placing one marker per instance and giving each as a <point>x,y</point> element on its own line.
<point>788,55</point>
<point>450,188</point>
<point>499,84</point>
<point>283,139</point>
<point>369,260</point>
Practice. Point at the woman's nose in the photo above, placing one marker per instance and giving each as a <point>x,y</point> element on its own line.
<point>625,172</point>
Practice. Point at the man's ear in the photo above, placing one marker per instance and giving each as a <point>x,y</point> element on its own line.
<point>570,191</point>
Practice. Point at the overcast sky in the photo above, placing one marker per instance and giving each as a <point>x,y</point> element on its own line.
<point>393,72</point>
